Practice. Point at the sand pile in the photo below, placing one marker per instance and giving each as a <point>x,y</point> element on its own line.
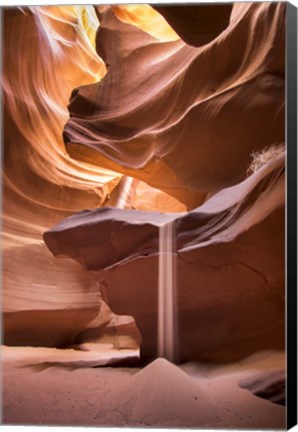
<point>161,394</point>
<point>128,397</point>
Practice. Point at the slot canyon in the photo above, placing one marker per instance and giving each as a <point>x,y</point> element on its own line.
<point>143,215</point>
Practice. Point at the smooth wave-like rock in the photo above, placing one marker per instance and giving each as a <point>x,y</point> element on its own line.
<point>183,118</point>
<point>47,51</point>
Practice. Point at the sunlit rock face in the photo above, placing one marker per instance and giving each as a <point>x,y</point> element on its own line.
<point>118,119</point>
<point>47,51</point>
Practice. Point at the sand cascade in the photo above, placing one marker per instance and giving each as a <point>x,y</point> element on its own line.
<point>167,317</point>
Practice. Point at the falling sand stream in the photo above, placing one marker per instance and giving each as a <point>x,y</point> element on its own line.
<point>167,314</point>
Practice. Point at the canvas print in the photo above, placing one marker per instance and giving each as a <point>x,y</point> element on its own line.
<point>143,215</point>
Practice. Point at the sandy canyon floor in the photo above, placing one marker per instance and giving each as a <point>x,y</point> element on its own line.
<point>53,387</point>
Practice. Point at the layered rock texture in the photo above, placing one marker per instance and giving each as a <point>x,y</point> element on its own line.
<point>119,119</point>
<point>189,117</point>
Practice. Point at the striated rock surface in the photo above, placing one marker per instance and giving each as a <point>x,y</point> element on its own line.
<point>193,123</point>
<point>47,51</point>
